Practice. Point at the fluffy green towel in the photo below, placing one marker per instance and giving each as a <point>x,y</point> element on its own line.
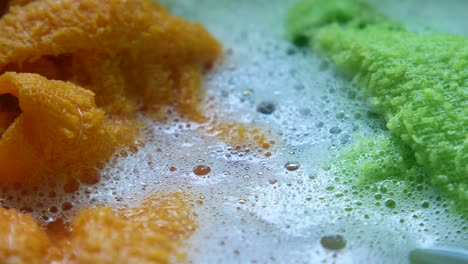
<point>417,81</point>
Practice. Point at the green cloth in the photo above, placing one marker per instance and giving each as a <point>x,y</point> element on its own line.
<point>417,81</point>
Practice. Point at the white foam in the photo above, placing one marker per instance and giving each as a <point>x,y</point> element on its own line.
<point>281,216</point>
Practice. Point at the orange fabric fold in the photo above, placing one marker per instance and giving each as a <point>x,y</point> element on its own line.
<point>59,131</point>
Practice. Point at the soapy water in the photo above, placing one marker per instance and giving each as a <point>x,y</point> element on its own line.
<point>282,216</point>
<point>257,209</point>
<point>448,17</point>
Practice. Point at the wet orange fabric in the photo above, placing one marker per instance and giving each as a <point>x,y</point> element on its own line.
<point>150,233</point>
<point>132,54</point>
<point>5,5</point>
<point>73,73</point>
<point>121,50</point>
<point>59,131</point>
<point>21,239</point>
<point>19,2</point>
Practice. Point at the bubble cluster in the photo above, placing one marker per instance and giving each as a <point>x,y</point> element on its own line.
<point>283,215</point>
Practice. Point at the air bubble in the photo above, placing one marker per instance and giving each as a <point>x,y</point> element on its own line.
<point>390,203</point>
<point>247,92</point>
<point>53,209</point>
<point>71,186</point>
<point>425,204</point>
<point>335,130</point>
<point>333,242</point>
<point>201,170</point>
<point>292,166</point>
<point>266,107</point>
<point>90,176</point>
<point>66,206</point>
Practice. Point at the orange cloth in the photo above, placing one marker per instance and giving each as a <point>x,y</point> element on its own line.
<point>72,75</point>
<point>59,131</point>
<point>150,233</point>
<point>121,50</point>
<point>21,239</point>
<point>132,54</point>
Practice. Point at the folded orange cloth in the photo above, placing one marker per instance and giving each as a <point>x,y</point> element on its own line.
<point>59,130</point>
<point>121,50</point>
<point>131,54</point>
